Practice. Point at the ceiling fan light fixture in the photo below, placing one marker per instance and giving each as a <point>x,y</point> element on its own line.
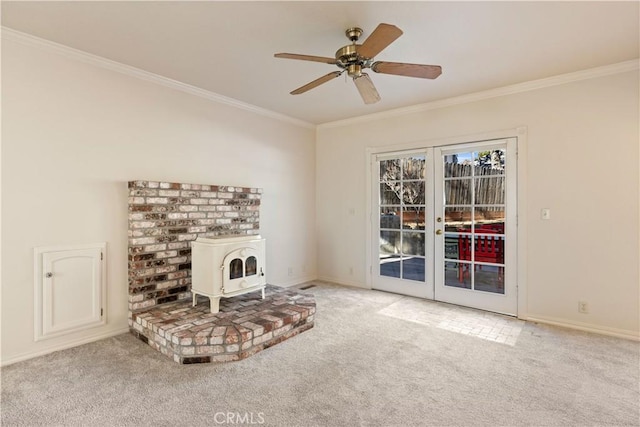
<point>354,70</point>
<point>366,88</point>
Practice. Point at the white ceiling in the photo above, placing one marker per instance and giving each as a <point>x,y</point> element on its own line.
<point>227,47</point>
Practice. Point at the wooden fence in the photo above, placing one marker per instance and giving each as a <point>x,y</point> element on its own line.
<point>489,190</point>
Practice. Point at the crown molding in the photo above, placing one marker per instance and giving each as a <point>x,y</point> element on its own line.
<point>606,70</point>
<point>98,61</point>
<point>79,55</point>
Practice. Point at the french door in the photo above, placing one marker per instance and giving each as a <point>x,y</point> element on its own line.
<point>404,212</point>
<point>445,224</point>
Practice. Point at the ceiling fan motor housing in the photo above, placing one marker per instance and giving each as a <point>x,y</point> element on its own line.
<point>347,58</point>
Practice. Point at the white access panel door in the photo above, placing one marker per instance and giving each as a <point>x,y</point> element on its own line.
<point>70,289</point>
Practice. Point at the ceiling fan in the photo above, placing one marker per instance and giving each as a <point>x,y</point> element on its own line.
<point>354,58</point>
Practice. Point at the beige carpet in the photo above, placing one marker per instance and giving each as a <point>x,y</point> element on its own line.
<point>373,359</point>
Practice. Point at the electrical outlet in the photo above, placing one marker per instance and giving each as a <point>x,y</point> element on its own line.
<point>351,271</point>
<point>583,307</point>
<point>290,271</point>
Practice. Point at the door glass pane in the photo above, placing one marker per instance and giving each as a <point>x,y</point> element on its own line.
<point>489,217</point>
<point>451,243</point>
<point>413,268</point>
<point>457,219</point>
<point>251,266</point>
<point>389,242</point>
<point>413,218</point>
<point>456,274</point>
<point>390,170</point>
<point>489,278</point>
<point>390,265</point>
<point>457,165</point>
<point>413,167</point>
<point>412,243</point>
<point>457,191</point>
<point>490,162</point>
<point>235,269</point>
<point>390,193</point>
<point>389,217</point>
<point>413,193</point>
<point>489,190</point>
<point>489,248</point>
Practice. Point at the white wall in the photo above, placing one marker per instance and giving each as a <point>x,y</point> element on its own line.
<point>73,134</point>
<point>582,164</point>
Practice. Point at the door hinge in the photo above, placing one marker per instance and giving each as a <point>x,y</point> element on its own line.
<point>101,312</point>
<point>101,256</point>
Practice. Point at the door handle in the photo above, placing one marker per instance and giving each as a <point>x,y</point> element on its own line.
<point>438,232</point>
<point>48,275</point>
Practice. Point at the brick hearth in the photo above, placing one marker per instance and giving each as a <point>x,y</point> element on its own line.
<point>245,325</point>
<point>164,218</point>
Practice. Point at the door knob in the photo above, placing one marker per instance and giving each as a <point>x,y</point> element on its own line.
<point>438,232</point>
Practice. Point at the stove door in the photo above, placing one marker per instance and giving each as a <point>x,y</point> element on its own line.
<point>242,270</point>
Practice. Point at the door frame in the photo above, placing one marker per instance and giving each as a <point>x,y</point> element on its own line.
<point>520,133</point>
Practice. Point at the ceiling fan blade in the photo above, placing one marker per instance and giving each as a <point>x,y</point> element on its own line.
<point>316,82</point>
<point>382,36</point>
<point>409,70</point>
<point>366,88</point>
<point>306,57</point>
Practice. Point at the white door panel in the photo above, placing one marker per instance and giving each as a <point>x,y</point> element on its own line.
<point>475,191</point>
<point>402,238</point>
<point>70,289</point>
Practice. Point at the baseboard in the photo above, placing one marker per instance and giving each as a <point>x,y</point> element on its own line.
<point>586,327</point>
<point>64,346</point>
<point>296,281</point>
<point>343,282</point>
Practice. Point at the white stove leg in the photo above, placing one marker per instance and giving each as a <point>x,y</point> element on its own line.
<point>195,299</point>
<point>262,293</point>
<point>214,304</point>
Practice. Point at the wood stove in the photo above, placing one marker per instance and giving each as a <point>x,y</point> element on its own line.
<point>226,267</point>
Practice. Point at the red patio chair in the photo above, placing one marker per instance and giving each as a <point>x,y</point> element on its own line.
<point>487,249</point>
